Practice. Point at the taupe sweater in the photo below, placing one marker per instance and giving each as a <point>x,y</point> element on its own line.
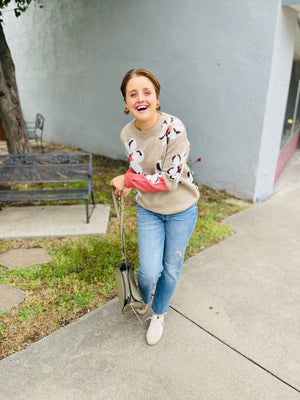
<point>158,166</point>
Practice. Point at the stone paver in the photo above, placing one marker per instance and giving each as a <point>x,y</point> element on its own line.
<point>22,258</point>
<point>10,297</point>
<point>19,259</point>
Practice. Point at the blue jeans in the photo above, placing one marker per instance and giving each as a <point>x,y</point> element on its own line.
<point>162,240</point>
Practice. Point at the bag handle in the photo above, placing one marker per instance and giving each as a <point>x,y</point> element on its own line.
<point>120,216</point>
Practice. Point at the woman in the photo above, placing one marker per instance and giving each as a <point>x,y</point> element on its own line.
<point>157,147</point>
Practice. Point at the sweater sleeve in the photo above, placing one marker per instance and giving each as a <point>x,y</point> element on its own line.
<point>174,163</point>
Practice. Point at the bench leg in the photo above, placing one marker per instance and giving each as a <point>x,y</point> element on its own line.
<point>87,211</point>
<point>93,199</point>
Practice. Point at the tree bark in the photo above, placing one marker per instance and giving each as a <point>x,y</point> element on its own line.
<point>10,108</point>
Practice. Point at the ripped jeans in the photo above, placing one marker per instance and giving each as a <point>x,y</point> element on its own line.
<point>162,240</point>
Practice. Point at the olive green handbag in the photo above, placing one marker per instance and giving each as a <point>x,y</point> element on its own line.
<point>128,292</point>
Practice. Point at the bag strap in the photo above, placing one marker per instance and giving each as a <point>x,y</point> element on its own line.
<point>120,216</point>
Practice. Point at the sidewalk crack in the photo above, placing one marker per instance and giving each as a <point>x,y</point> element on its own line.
<point>236,351</point>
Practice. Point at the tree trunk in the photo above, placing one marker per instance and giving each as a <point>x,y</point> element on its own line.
<point>10,108</point>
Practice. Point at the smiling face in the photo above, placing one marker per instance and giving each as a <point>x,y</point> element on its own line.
<point>141,100</point>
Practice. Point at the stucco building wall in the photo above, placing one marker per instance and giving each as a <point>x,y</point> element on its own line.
<point>215,61</point>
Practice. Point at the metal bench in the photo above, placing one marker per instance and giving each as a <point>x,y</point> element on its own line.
<point>35,129</point>
<point>64,169</point>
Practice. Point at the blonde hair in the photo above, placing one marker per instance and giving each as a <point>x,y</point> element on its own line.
<point>139,72</point>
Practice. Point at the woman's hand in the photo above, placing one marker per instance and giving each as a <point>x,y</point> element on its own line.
<point>126,192</point>
<point>119,183</point>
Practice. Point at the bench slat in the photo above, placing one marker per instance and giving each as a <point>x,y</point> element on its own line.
<point>45,195</point>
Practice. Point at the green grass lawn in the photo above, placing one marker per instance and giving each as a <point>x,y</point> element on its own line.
<point>80,276</point>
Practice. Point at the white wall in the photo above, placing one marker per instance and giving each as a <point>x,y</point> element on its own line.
<point>283,52</point>
<point>213,59</point>
<point>297,43</point>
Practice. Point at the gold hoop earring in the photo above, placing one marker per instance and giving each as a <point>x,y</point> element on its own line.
<point>126,111</point>
<point>158,107</point>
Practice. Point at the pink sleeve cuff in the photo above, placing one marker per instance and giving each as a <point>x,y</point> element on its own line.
<point>142,183</point>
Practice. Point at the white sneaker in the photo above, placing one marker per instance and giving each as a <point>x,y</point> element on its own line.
<point>155,329</point>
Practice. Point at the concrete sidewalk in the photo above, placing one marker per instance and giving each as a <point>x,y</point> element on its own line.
<point>233,331</point>
<point>52,221</point>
